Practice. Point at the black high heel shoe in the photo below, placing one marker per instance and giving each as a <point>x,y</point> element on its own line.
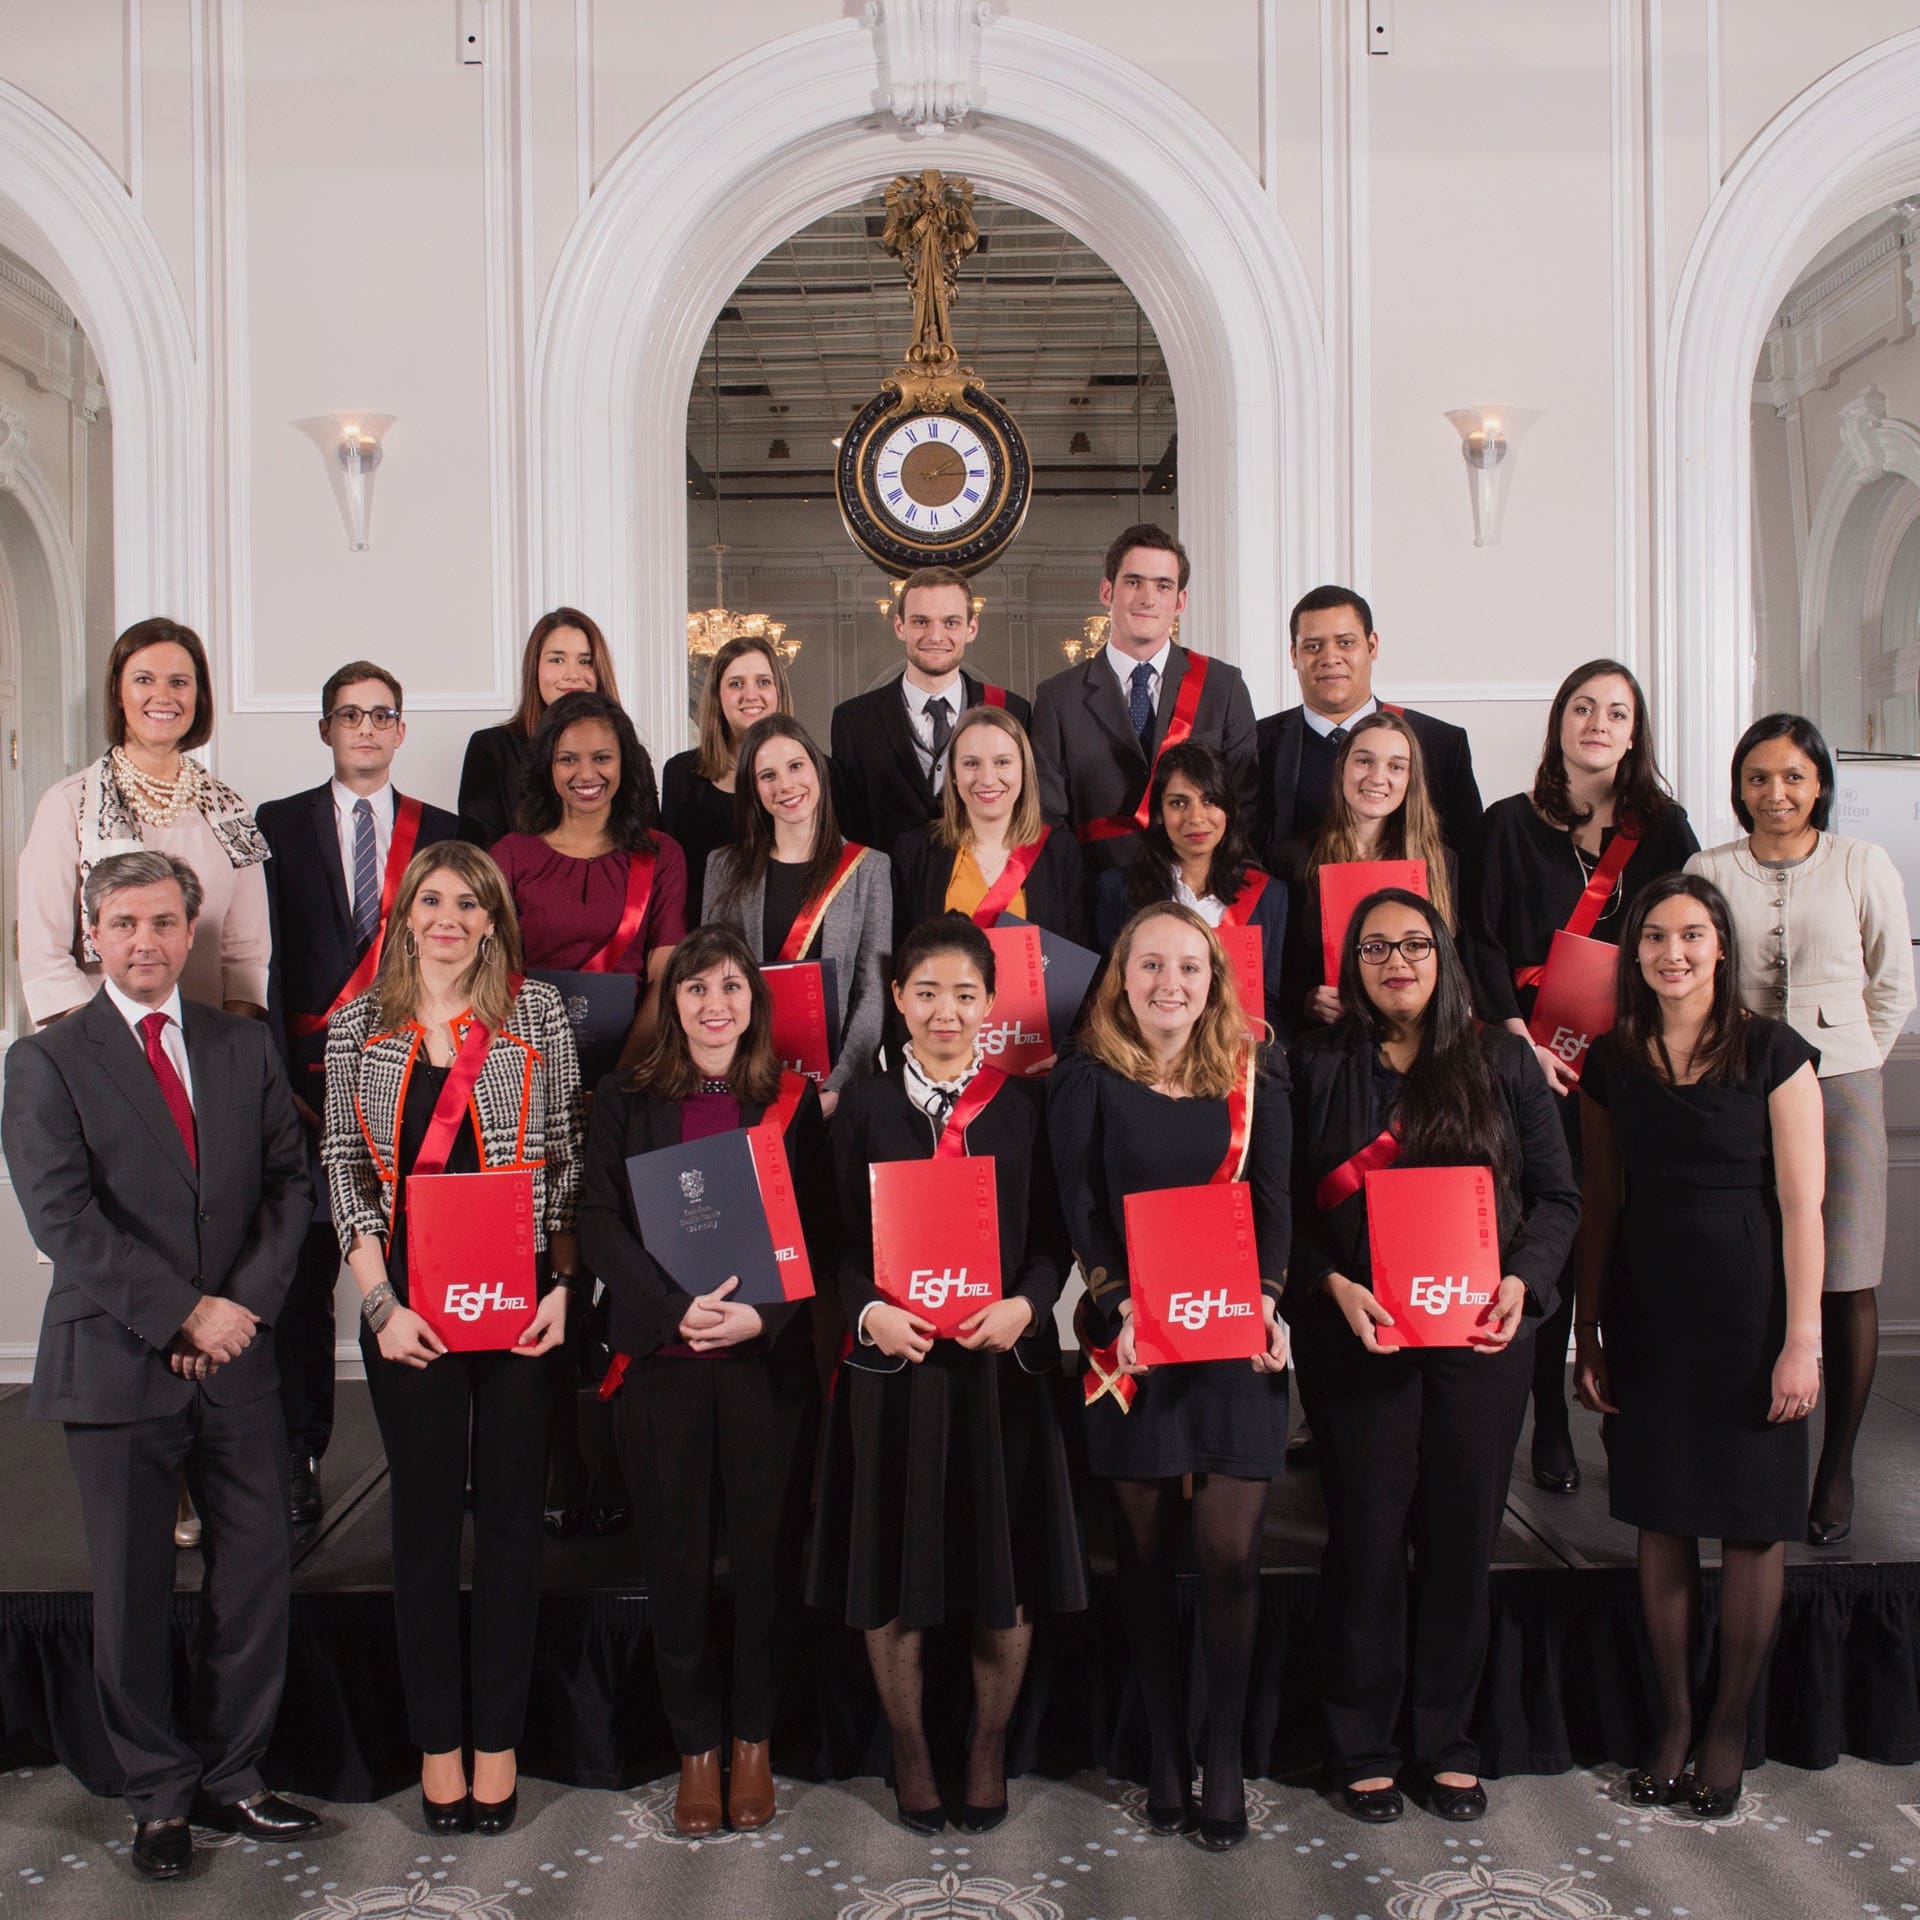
<point>1217,1836</point>
<point>447,1816</point>
<point>1645,1788</point>
<point>1829,1533</point>
<point>1171,1821</point>
<point>1715,1803</point>
<point>931,1819</point>
<point>563,1522</point>
<point>495,1816</point>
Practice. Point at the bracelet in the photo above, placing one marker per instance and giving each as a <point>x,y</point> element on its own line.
<point>379,1306</point>
<point>568,1280</point>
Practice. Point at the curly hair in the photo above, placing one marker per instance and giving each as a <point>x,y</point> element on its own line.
<point>635,810</point>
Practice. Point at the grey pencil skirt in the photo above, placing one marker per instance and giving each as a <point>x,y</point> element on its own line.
<point>1856,1205</point>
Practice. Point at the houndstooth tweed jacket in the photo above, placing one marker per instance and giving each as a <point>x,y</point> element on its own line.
<point>527,1110</point>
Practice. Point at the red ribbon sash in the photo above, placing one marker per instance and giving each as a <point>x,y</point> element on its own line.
<point>1592,902</point>
<point>992,696</point>
<point>1013,876</point>
<point>806,923</point>
<point>952,1144</point>
<point>639,891</point>
<point>1239,1126</point>
<point>1179,727</point>
<point>1351,1174</point>
<point>452,1104</point>
<point>406,830</point>
<point>1252,888</point>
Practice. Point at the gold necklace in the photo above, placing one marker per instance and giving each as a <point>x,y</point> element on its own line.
<point>156,803</point>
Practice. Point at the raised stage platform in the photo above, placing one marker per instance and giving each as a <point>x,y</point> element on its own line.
<point>1566,1681</point>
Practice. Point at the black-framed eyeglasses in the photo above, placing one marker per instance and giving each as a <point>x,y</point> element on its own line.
<point>384,719</point>
<point>1414,948</point>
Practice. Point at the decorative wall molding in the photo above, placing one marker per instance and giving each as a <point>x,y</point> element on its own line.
<point>1862,303</point>
<point>751,153</point>
<point>1847,144</point>
<point>58,546</point>
<point>37,291</point>
<point>1626,149</point>
<point>929,57</point>
<point>13,444</point>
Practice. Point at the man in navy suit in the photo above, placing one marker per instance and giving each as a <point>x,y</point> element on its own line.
<point>338,852</point>
<point>1333,645</point>
<point>154,1150</point>
<point>890,744</point>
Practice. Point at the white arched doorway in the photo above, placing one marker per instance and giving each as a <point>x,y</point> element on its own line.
<point>787,133</point>
<point>1848,145</point>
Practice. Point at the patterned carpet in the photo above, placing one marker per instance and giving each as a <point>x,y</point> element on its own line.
<point>1844,1842</point>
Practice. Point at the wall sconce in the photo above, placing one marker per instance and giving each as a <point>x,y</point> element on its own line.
<point>350,444</point>
<point>1489,436</point>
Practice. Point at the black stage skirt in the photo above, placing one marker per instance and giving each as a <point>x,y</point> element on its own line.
<point>1208,1416</point>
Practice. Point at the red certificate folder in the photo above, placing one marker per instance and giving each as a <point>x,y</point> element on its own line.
<point>1017,1036</point>
<point>1345,884</point>
<point>1247,955</point>
<point>1575,1004</point>
<point>1194,1269</point>
<point>470,1272</point>
<point>1435,1239</point>
<point>936,1237</point>
<point>805,1015</point>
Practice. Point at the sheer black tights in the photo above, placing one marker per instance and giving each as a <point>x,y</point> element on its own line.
<point>1849,1346</point>
<point>1752,1578</point>
<point>1227,1516</point>
<point>999,1668</point>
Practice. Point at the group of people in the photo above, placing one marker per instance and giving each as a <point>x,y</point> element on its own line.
<point>258,1031</point>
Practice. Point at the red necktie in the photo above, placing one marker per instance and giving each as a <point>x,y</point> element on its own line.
<point>172,1090</point>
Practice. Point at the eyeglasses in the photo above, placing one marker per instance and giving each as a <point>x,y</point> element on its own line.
<point>384,719</point>
<point>1414,948</point>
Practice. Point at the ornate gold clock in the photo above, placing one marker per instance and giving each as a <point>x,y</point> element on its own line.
<point>933,471</point>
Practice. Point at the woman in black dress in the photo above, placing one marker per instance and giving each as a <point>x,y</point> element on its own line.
<point>1195,852</point>
<point>1158,1095</point>
<point>989,822</point>
<point>714,1401</point>
<point>1699,1308</point>
<point>945,1490</point>
<point>745,683</point>
<point>565,653</point>
<point>1546,861</point>
<point>1416,1447</point>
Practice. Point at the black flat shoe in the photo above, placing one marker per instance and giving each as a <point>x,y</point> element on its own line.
<point>920,1819</point>
<point>1714,1803</point>
<point>162,1849</point>
<point>563,1522</point>
<point>447,1816</point>
<point>1457,1803</point>
<point>263,1816</point>
<point>1828,1533</point>
<point>1377,1806</point>
<point>303,1483</point>
<point>980,1819</point>
<point>1648,1789</point>
<point>495,1816</point>
<point>1217,1836</point>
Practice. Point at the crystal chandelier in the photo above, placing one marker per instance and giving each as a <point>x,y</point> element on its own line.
<point>1093,636</point>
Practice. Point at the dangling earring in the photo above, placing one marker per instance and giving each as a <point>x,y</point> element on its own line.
<point>413,946</point>
<point>486,945</point>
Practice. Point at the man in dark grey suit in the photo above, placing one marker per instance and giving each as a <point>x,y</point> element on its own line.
<point>1098,726</point>
<point>154,1148</point>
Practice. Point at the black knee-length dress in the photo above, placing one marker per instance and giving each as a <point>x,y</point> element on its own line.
<point>1695,1308</point>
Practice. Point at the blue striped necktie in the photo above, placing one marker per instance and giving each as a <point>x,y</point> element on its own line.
<point>366,874</point>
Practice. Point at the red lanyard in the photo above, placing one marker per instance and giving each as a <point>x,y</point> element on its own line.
<point>1179,727</point>
<point>1013,876</point>
<point>1239,1126</point>
<point>806,923</point>
<point>1351,1174</point>
<point>406,830</point>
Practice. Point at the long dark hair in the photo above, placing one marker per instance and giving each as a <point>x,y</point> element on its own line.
<point>666,1069</point>
<point>1641,798</point>
<point>1637,1027</point>
<point>1155,863</point>
<point>1451,1112</point>
<point>635,809</point>
<point>1809,739</point>
<point>526,716</point>
<point>753,824</point>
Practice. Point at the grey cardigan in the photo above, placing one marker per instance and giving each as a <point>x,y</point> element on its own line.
<point>855,936</point>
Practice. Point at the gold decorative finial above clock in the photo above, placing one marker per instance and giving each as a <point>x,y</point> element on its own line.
<point>932,470</point>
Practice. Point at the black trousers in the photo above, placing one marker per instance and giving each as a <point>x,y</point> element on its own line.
<point>235,1458</point>
<point>490,1408</point>
<point>303,1342</point>
<point>1416,1449</point>
<point>700,1438</point>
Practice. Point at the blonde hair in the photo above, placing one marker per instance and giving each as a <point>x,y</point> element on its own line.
<point>718,750</point>
<point>488,983</point>
<point>953,829</point>
<point>1410,832</point>
<point>1216,1049</point>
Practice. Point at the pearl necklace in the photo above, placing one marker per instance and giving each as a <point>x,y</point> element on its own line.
<point>155,803</point>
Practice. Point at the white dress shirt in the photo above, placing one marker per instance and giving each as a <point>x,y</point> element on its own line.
<point>1123,665</point>
<point>920,722</point>
<point>344,802</point>
<point>1324,726</point>
<point>173,1041</point>
<point>1209,906</point>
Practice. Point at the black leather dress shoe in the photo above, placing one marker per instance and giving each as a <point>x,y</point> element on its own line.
<point>1714,1803</point>
<point>974,1818</point>
<point>262,1816</point>
<point>1457,1803</point>
<point>1217,1836</point>
<point>495,1816</point>
<point>162,1849</point>
<point>1649,1789</point>
<point>304,1486</point>
<point>1377,1806</point>
<point>447,1816</point>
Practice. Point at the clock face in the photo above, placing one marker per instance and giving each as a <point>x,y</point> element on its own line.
<point>933,487</point>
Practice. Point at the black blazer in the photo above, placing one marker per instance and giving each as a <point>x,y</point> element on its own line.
<point>878,788</point>
<point>1089,756</point>
<point>645,1308</point>
<point>135,1234</point>
<point>1446,749</point>
<point>876,1121</point>
<point>1335,1115</point>
<point>314,950</point>
<point>1056,897</point>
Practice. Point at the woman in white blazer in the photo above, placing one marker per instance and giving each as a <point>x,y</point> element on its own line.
<point>1824,944</point>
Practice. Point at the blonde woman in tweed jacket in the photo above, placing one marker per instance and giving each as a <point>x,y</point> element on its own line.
<point>453,959</point>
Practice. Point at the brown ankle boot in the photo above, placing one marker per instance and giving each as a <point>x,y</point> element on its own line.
<point>696,1808</point>
<point>750,1786</point>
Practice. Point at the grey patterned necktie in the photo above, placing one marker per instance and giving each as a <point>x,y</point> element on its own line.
<point>366,874</point>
